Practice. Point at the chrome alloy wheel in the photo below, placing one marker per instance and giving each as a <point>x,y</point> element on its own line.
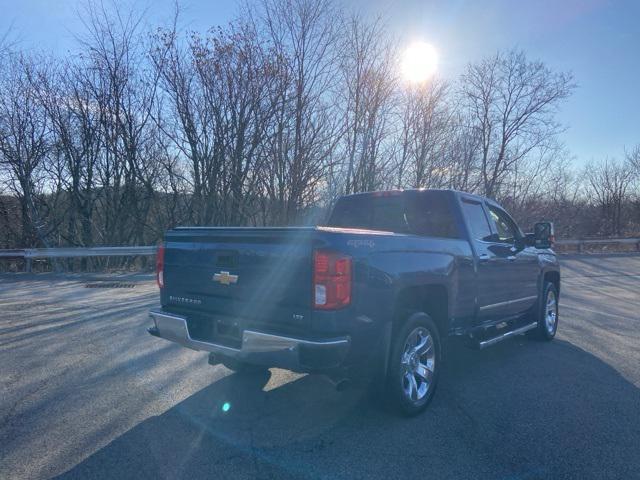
<point>551,312</point>
<point>418,364</point>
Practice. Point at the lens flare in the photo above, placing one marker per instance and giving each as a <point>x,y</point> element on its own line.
<point>226,406</point>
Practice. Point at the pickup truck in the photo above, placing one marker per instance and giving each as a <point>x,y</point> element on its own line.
<point>379,289</point>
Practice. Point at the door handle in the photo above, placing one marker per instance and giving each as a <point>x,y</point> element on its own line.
<point>483,258</point>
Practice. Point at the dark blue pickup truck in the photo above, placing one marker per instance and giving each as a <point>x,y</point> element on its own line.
<point>380,287</point>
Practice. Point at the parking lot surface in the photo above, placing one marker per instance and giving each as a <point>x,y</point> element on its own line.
<point>85,392</point>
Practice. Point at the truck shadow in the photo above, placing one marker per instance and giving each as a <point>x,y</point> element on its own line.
<point>519,410</point>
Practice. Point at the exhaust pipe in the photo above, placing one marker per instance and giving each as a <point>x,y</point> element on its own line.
<point>213,360</point>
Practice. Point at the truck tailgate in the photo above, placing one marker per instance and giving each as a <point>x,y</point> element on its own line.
<point>225,280</point>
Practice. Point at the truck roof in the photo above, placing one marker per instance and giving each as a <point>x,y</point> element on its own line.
<point>400,191</point>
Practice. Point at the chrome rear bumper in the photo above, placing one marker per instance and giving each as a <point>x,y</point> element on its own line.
<point>257,347</point>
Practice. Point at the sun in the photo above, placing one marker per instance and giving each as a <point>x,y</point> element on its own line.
<point>419,62</point>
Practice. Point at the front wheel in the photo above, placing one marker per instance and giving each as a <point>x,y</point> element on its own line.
<point>414,364</point>
<point>547,313</point>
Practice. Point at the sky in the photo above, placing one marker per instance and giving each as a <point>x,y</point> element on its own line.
<point>597,40</point>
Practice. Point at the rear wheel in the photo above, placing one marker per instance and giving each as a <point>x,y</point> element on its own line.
<point>414,364</point>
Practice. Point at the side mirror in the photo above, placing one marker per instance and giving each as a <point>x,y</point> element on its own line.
<point>543,236</point>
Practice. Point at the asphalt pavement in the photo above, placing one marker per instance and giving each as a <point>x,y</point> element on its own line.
<point>85,392</point>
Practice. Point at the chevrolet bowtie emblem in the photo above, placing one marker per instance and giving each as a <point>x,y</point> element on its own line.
<point>225,278</point>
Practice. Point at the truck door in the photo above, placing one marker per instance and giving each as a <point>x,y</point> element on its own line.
<point>520,262</point>
<point>494,270</point>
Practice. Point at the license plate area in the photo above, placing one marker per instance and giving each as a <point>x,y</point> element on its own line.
<point>218,330</point>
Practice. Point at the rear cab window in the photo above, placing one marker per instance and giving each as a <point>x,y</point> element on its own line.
<point>425,213</point>
<point>371,212</point>
<point>431,214</point>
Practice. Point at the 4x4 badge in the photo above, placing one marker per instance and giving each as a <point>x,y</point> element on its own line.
<point>225,278</point>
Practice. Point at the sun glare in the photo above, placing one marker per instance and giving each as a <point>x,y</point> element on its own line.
<point>419,62</point>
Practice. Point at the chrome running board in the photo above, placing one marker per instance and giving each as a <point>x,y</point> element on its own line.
<point>504,336</point>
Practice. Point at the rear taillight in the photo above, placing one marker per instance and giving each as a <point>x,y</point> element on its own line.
<point>160,265</point>
<point>332,273</point>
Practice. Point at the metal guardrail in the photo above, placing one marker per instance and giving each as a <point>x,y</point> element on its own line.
<point>599,241</point>
<point>581,243</point>
<point>30,254</point>
<point>16,253</point>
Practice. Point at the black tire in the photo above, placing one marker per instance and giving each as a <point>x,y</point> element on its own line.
<point>547,327</point>
<point>242,367</point>
<point>403,395</point>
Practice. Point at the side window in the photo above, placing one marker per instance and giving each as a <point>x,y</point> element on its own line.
<point>477,220</point>
<point>431,214</point>
<point>507,231</point>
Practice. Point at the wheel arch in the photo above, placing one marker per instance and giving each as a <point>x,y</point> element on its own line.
<point>552,276</point>
<point>432,299</point>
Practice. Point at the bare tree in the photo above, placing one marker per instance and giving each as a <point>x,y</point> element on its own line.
<point>462,148</point>
<point>608,184</point>
<point>426,129</point>
<point>512,104</point>
<point>543,186</point>
<point>633,157</point>
<point>66,95</point>
<point>123,93</point>
<point>187,122</point>
<point>366,94</point>
<point>303,137</point>
<point>236,74</point>
<point>6,43</point>
<point>24,145</point>
<point>221,99</point>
